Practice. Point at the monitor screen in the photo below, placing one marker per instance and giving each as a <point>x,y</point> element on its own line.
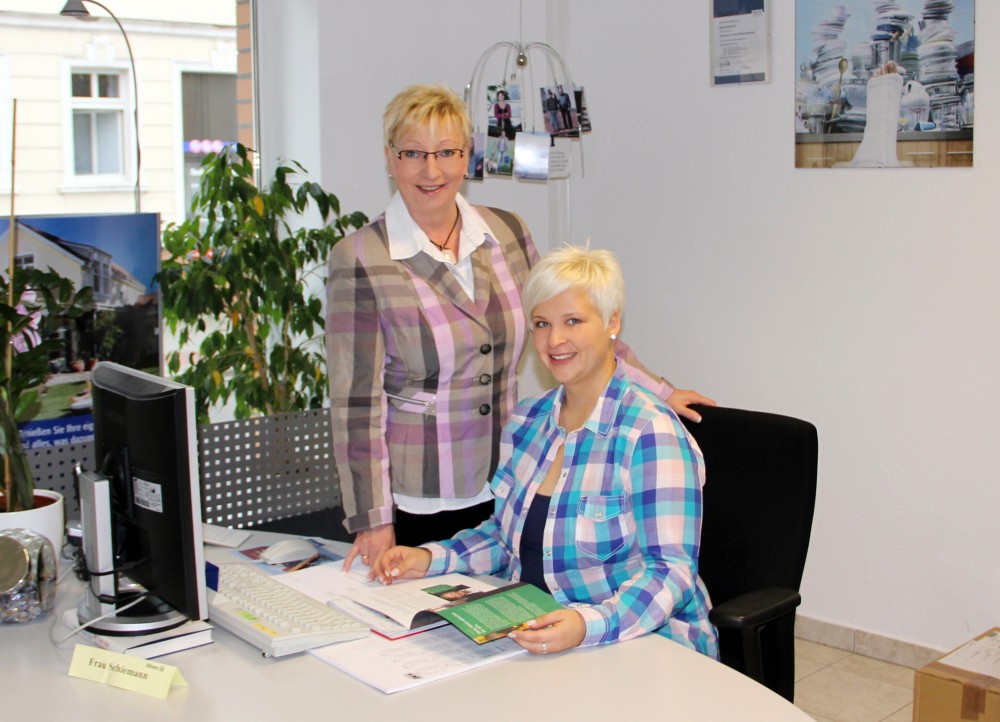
<point>145,446</point>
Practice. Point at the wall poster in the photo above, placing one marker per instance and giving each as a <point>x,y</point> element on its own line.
<point>740,42</point>
<point>884,83</point>
<point>118,256</point>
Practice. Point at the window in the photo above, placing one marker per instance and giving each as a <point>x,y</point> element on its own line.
<point>98,123</point>
<point>209,118</point>
<point>24,260</point>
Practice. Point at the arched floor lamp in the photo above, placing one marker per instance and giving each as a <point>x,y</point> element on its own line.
<point>75,8</point>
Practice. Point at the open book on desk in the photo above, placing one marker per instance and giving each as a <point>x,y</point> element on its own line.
<point>479,609</point>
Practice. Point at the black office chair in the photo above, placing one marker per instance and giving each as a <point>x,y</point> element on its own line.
<point>759,495</point>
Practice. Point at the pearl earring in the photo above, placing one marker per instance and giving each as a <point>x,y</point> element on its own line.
<point>614,337</point>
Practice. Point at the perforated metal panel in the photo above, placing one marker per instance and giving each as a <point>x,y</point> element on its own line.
<point>53,470</point>
<point>267,468</point>
<point>252,471</point>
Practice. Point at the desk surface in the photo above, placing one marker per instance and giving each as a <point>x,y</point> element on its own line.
<point>230,680</point>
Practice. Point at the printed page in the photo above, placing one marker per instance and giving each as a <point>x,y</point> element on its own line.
<point>330,584</point>
<point>392,666</point>
<point>327,582</point>
<point>404,602</point>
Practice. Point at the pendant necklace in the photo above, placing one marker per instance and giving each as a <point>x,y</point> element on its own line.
<point>449,257</point>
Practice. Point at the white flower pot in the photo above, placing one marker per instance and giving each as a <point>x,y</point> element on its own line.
<point>48,520</point>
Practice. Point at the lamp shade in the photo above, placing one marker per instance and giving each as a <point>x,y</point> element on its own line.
<point>75,8</point>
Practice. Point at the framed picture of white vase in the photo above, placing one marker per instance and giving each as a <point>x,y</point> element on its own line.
<point>884,83</point>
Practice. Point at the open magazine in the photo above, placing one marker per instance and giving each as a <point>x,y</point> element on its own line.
<point>478,607</point>
<point>398,655</point>
<point>479,610</point>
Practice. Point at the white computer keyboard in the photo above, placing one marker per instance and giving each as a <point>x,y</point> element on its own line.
<point>273,617</point>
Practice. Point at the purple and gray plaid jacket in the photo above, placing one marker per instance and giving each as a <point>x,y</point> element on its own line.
<point>423,378</point>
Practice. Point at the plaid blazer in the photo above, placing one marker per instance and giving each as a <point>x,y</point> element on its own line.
<point>422,378</point>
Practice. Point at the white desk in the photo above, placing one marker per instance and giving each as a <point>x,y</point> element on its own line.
<point>229,680</point>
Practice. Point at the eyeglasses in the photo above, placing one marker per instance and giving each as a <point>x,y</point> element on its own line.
<point>419,156</point>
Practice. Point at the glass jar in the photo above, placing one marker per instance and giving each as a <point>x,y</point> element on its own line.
<point>27,576</point>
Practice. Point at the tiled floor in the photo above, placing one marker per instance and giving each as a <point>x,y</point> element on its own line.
<point>837,686</point>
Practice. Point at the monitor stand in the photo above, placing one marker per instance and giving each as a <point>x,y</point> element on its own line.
<point>146,617</point>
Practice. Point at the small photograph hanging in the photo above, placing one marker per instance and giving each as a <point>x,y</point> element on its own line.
<point>583,117</point>
<point>550,106</point>
<point>531,162</point>
<point>499,155</point>
<point>476,156</point>
<point>561,117</point>
<point>884,83</point>
<point>559,157</point>
<point>505,117</point>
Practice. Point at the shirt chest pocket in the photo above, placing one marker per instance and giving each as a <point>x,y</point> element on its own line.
<point>603,525</point>
<point>504,509</point>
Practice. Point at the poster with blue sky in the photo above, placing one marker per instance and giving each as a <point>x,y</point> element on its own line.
<point>118,256</point>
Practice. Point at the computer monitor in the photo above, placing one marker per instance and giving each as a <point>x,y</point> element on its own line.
<point>141,506</point>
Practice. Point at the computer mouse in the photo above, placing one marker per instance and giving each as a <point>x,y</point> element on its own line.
<point>288,550</point>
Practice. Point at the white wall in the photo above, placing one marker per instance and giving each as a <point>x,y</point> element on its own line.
<point>865,301</point>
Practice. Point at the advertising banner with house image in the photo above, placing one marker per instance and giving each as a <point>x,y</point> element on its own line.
<point>118,256</point>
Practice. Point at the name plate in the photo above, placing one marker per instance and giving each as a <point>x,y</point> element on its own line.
<point>125,672</point>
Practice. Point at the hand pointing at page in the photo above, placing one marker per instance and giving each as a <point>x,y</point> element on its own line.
<point>401,563</point>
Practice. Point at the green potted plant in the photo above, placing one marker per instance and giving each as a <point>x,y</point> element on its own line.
<point>30,302</point>
<point>239,280</point>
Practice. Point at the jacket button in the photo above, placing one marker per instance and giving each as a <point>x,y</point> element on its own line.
<point>485,379</point>
<point>485,348</point>
<point>484,409</point>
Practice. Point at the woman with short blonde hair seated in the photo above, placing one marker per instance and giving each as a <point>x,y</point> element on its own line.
<point>598,489</point>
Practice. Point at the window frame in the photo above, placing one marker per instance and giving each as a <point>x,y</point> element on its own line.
<point>221,65</point>
<point>24,260</point>
<point>124,104</point>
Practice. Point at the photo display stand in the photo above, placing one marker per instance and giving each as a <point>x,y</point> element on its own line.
<point>500,149</point>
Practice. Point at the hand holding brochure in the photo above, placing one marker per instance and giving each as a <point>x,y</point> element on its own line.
<point>479,610</point>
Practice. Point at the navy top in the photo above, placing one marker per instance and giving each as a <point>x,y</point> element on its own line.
<point>532,542</point>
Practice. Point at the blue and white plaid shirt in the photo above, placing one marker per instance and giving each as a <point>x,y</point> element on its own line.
<point>624,525</point>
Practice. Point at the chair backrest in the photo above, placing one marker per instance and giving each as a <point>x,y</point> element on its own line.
<point>760,491</point>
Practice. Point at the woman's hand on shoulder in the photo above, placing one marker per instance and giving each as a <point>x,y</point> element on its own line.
<point>401,563</point>
<point>553,632</point>
<point>681,400</point>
